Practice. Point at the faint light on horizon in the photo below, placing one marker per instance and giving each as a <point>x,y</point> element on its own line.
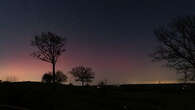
<point>156,82</point>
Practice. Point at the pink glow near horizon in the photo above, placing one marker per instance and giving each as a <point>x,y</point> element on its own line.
<point>114,68</point>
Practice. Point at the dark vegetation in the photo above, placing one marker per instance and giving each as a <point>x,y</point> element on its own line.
<point>44,96</point>
<point>49,47</point>
<point>177,46</point>
<point>83,74</point>
<point>60,77</point>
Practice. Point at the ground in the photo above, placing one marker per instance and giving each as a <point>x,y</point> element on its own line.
<point>39,96</point>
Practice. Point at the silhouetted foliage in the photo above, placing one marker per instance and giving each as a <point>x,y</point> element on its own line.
<point>83,74</point>
<point>177,45</point>
<point>59,78</point>
<point>47,78</point>
<point>49,47</point>
<point>185,77</point>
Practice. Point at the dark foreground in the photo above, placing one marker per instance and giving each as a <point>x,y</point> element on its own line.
<point>37,96</point>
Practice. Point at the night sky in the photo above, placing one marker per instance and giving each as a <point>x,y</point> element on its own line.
<point>114,37</point>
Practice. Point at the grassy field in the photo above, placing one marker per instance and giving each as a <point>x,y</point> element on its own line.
<point>38,96</point>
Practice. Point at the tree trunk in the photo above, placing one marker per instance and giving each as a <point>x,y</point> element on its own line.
<point>82,83</point>
<point>185,77</point>
<point>54,75</point>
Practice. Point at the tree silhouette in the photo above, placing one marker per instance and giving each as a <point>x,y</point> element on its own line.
<point>177,45</point>
<point>102,83</point>
<point>83,74</point>
<point>49,47</point>
<point>59,77</point>
<point>47,78</point>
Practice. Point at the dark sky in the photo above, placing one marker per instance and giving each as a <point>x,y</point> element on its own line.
<point>114,37</point>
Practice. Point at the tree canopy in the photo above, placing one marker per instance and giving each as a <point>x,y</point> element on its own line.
<point>177,45</point>
<point>49,47</point>
<point>83,74</point>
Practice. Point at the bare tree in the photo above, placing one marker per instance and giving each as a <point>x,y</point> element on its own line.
<point>49,47</point>
<point>83,74</point>
<point>177,45</point>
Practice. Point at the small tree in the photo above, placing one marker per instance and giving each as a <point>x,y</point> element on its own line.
<point>47,78</point>
<point>83,74</point>
<point>102,83</point>
<point>59,78</point>
<point>49,47</point>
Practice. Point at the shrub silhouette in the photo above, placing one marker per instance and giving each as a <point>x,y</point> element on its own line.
<point>59,78</point>
<point>47,78</point>
<point>102,83</point>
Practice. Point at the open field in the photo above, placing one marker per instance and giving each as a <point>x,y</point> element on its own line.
<point>38,96</point>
